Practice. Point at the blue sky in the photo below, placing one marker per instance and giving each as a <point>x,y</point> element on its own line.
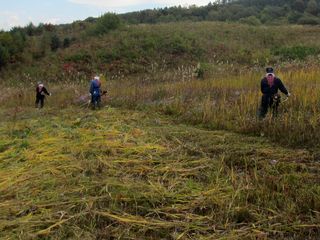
<point>22,12</point>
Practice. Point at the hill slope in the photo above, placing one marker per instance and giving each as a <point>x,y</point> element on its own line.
<point>242,32</point>
<point>158,49</point>
<point>129,174</point>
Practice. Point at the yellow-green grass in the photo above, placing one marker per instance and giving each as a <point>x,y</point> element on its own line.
<point>229,102</point>
<point>77,174</point>
<point>232,103</point>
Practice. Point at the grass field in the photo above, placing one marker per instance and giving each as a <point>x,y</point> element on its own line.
<point>70,174</point>
<point>223,102</point>
<point>232,102</point>
<point>169,156</point>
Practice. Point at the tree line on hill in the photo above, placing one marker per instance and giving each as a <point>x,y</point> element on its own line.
<point>246,11</point>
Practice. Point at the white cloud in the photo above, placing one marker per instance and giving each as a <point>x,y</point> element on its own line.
<point>131,3</point>
<point>53,21</point>
<point>9,20</point>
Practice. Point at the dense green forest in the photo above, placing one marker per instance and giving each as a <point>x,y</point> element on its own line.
<point>246,11</point>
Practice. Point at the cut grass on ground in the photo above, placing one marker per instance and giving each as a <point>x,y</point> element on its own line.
<point>128,174</point>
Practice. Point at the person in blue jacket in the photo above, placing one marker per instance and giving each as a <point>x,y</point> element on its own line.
<point>270,85</point>
<point>95,91</point>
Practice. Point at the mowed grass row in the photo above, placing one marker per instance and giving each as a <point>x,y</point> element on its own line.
<point>70,174</point>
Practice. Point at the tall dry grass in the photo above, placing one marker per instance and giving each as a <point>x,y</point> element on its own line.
<point>223,102</point>
<point>232,103</point>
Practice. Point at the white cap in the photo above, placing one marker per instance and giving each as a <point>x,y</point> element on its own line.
<point>96,78</point>
<point>270,74</point>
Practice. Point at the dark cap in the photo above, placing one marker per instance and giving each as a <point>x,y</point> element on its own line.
<point>269,70</point>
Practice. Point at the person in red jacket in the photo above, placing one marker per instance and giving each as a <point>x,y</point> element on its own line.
<point>41,91</point>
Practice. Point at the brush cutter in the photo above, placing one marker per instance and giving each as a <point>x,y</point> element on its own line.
<point>87,100</point>
<point>277,99</point>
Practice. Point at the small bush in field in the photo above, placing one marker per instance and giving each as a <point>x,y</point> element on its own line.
<point>296,52</point>
<point>105,24</point>
<point>252,20</point>
<point>179,45</point>
<point>4,56</point>
<point>308,20</point>
<point>108,55</point>
<point>55,43</point>
<point>66,42</point>
<point>82,56</point>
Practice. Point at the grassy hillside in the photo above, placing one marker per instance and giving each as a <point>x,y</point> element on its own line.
<point>130,174</point>
<point>148,49</point>
<point>242,32</point>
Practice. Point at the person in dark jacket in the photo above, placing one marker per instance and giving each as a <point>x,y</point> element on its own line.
<point>270,85</point>
<point>41,91</point>
<point>95,91</point>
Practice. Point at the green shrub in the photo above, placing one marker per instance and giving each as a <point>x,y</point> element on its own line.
<point>308,20</point>
<point>252,20</point>
<point>106,56</point>
<point>4,56</point>
<point>105,24</point>
<point>81,57</point>
<point>150,43</point>
<point>296,52</point>
<point>12,45</point>
<point>66,42</point>
<point>294,17</point>
<point>179,44</point>
<point>55,43</point>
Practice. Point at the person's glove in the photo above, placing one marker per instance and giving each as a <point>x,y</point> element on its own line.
<point>289,94</point>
